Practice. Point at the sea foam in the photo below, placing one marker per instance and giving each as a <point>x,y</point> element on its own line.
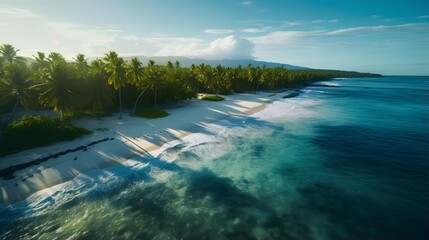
<point>161,164</point>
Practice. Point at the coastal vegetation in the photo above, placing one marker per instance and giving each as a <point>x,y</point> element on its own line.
<point>213,98</point>
<point>94,88</point>
<point>152,113</point>
<point>35,131</point>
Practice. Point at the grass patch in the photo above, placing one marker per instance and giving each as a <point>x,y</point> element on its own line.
<point>152,113</point>
<point>101,129</point>
<point>36,131</point>
<point>213,98</point>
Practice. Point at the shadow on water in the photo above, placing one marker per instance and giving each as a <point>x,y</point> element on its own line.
<point>201,205</point>
<point>196,205</point>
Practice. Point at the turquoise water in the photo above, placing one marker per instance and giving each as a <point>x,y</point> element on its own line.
<point>345,162</point>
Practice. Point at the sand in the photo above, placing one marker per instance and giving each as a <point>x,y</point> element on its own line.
<point>129,137</point>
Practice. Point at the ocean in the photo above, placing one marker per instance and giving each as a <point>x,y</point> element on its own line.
<point>346,159</point>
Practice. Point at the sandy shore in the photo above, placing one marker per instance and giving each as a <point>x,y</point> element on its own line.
<point>129,137</point>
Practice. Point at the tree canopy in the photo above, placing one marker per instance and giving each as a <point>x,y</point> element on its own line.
<point>75,87</point>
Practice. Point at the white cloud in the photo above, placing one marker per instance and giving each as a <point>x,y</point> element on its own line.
<point>293,23</point>
<point>83,32</point>
<point>218,31</point>
<point>165,46</point>
<point>325,21</point>
<point>378,29</point>
<point>247,3</point>
<point>253,30</point>
<point>283,37</point>
<point>13,12</point>
<point>309,39</point>
<point>124,45</point>
<point>229,47</point>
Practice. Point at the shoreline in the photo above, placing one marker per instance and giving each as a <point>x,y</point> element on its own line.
<point>132,136</point>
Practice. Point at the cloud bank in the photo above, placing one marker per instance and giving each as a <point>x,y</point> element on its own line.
<point>230,47</point>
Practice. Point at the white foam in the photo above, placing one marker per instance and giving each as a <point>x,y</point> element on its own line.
<point>290,109</point>
<point>159,167</point>
<point>330,83</point>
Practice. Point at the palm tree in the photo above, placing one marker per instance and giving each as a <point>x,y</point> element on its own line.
<point>205,76</point>
<point>40,65</point>
<point>98,92</point>
<point>153,75</point>
<point>220,79</point>
<point>60,89</point>
<point>135,71</point>
<point>8,53</point>
<point>17,83</point>
<point>116,68</point>
<point>135,75</point>
<point>55,57</point>
<point>41,62</point>
<point>81,65</point>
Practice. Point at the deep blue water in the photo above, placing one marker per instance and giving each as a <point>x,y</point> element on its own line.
<point>347,162</point>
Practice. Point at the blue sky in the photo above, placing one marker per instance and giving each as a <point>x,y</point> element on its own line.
<point>388,37</point>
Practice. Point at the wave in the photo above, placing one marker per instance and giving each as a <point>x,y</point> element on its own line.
<point>164,162</point>
<point>326,84</point>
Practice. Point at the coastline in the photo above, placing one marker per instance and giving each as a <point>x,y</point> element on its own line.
<point>127,138</point>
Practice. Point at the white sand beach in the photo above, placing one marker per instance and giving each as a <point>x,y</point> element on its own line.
<point>124,139</point>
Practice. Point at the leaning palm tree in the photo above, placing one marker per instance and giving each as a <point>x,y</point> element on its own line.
<point>8,53</point>
<point>16,84</point>
<point>98,92</point>
<point>135,75</point>
<point>60,89</point>
<point>116,68</point>
<point>153,75</point>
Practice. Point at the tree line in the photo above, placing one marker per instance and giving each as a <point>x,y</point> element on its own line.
<point>72,88</point>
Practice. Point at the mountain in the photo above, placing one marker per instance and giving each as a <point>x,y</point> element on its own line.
<point>186,62</point>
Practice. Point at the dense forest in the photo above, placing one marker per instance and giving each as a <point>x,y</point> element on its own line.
<point>109,84</point>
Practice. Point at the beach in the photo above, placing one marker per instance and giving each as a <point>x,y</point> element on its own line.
<point>114,141</point>
<point>339,160</point>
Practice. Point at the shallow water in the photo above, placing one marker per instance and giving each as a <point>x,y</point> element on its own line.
<point>348,162</point>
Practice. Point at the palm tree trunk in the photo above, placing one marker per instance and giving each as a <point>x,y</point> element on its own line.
<point>62,121</point>
<point>154,98</point>
<point>120,102</point>
<point>14,108</point>
<point>2,131</point>
<point>135,104</point>
<point>100,110</point>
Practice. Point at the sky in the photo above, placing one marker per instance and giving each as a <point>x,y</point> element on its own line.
<point>382,36</point>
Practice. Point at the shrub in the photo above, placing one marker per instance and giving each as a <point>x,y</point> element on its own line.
<point>152,113</point>
<point>213,98</point>
<point>36,131</point>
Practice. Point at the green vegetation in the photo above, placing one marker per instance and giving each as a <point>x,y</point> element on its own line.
<point>152,113</point>
<point>78,88</point>
<point>36,131</point>
<point>213,98</point>
<point>101,129</point>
